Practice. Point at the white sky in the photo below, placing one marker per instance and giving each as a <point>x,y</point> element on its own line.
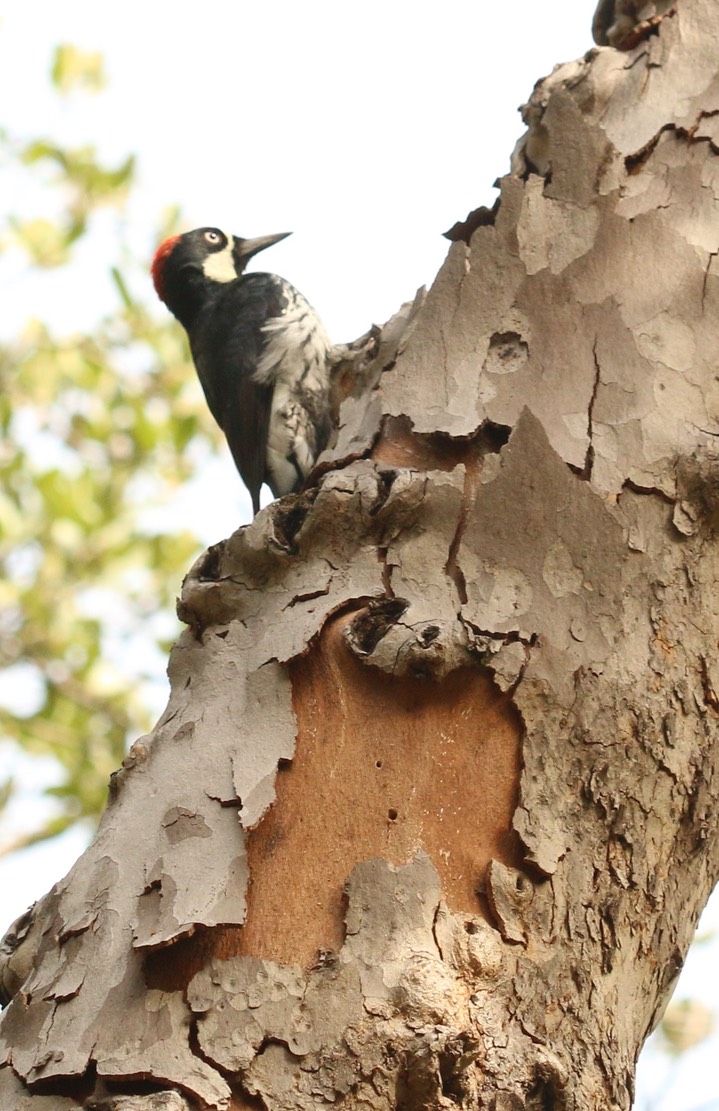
<point>365,129</point>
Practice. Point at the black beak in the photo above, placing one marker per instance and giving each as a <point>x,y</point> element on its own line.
<point>246,248</point>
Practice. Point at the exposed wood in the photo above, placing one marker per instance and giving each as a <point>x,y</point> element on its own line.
<point>392,766</point>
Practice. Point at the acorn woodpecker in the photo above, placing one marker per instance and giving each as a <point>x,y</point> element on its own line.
<point>260,351</point>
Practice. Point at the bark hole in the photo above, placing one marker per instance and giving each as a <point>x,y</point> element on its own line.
<point>400,446</point>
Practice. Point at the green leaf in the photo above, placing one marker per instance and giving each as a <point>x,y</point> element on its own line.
<point>74,69</point>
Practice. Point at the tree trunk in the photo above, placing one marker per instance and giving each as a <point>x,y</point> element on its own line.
<point>431,814</point>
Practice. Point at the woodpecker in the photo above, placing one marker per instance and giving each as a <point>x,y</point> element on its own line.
<point>260,352</point>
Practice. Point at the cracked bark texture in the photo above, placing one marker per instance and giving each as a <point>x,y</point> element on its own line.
<point>431,814</point>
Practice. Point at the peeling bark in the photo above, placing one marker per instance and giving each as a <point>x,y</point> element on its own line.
<point>430,816</point>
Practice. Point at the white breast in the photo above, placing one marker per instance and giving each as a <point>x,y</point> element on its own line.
<point>295,362</point>
<point>297,345</point>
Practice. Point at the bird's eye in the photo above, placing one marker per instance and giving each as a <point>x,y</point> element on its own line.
<point>212,236</point>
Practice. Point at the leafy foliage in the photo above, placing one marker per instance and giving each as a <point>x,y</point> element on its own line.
<point>96,431</point>
<point>74,69</point>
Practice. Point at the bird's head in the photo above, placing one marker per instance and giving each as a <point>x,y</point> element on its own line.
<point>187,267</point>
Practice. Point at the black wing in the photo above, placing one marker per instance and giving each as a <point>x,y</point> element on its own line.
<point>226,345</point>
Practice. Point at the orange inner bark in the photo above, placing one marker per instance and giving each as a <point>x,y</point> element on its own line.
<point>383,767</point>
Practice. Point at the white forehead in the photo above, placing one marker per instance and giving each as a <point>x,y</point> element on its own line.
<point>220,265</point>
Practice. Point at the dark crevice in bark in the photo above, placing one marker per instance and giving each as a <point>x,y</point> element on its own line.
<point>711,698</point>
<point>712,256</point>
<point>249,1101</point>
<point>636,488</point>
<point>110,1095</point>
<point>434,932</point>
<point>698,489</point>
<point>171,967</point>
<point>453,1074</point>
<point>401,446</point>
<point>288,517</point>
<point>272,1040</point>
<point>634,162</point>
<point>494,436</point>
<point>586,473</point>
<point>207,568</point>
<point>385,480</point>
<point>463,230</point>
<point>386,572</point>
<point>331,465</point>
<point>605,23</point>
<point>451,567</point>
<point>308,597</point>
<point>543,1097</point>
<point>513,636</point>
<point>93,1092</point>
<point>490,439</point>
<point>512,690</point>
<point>369,627</point>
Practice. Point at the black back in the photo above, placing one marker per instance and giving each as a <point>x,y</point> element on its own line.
<point>226,343</point>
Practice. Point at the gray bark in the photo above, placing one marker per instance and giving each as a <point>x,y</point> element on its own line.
<point>431,814</point>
